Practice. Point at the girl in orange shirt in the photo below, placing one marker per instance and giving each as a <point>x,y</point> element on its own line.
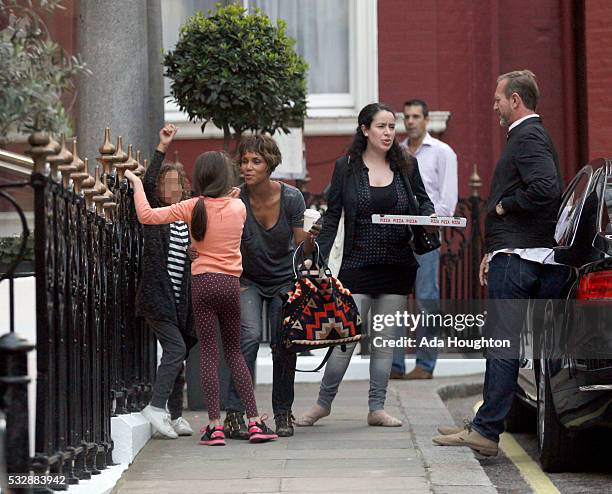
<point>216,221</point>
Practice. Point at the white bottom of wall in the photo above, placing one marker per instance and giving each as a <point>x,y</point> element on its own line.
<point>359,368</point>
<point>130,432</point>
<point>100,484</point>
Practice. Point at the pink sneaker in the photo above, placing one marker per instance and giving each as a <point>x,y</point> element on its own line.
<point>213,437</point>
<point>259,432</point>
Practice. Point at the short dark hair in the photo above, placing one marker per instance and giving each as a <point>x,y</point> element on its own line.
<point>418,102</point>
<point>523,83</point>
<point>264,146</point>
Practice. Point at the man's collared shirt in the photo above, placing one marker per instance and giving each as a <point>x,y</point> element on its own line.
<point>438,168</point>
<point>520,121</point>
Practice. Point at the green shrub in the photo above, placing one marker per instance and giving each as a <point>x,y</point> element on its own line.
<point>238,71</point>
<point>34,71</point>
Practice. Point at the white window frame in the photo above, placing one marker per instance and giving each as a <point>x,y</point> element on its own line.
<point>327,114</point>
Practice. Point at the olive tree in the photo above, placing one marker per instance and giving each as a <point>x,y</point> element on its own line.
<point>35,72</point>
<point>239,71</point>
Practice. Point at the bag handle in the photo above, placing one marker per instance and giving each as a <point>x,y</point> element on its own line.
<point>301,246</point>
<point>325,359</point>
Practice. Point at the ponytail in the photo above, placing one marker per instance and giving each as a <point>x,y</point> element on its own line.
<point>213,178</point>
<point>199,220</point>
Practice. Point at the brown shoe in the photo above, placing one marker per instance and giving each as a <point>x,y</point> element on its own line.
<point>446,430</point>
<point>396,375</point>
<point>471,439</point>
<point>418,373</point>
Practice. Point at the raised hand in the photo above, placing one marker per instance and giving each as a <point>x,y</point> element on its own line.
<point>166,134</point>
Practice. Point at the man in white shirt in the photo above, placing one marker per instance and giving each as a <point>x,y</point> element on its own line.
<point>438,168</point>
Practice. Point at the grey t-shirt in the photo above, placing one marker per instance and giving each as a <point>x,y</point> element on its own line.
<point>267,255</point>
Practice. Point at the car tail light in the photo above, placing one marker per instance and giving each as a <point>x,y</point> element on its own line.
<point>595,286</point>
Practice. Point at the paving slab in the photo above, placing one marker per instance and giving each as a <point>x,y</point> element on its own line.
<point>341,453</point>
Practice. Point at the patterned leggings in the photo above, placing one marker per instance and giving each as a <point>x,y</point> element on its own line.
<point>215,297</point>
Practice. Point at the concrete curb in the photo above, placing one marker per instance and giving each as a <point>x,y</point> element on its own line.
<point>462,390</point>
<point>448,470</point>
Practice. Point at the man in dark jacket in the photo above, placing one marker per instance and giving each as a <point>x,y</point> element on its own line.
<point>519,235</point>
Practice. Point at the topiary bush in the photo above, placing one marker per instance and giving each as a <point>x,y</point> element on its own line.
<point>239,71</point>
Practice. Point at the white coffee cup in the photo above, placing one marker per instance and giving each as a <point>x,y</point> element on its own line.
<point>310,218</point>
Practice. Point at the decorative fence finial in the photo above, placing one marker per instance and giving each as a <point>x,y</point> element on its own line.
<point>41,146</point>
<point>475,182</point>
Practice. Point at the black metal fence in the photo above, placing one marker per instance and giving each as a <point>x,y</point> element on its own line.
<point>94,358</point>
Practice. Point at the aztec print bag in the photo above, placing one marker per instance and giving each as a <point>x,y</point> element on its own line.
<point>319,312</point>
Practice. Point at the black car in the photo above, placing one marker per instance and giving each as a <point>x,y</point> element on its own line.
<point>569,384</point>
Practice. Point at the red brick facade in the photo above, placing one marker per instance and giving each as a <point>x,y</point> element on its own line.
<point>598,47</point>
<point>449,53</point>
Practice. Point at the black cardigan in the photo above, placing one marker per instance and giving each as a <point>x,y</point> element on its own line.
<point>528,183</point>
<point>343,195</point>
<point>155,296</point>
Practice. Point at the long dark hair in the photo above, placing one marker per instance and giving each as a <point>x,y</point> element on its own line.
<point>397,158</point>
<point>213,177</point>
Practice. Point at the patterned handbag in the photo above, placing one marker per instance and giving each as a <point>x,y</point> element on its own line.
<point>319,312</point>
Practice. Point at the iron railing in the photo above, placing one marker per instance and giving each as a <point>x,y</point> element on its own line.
<point>94,358</point>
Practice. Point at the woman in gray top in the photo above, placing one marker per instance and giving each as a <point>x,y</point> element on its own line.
<point>275,216</point>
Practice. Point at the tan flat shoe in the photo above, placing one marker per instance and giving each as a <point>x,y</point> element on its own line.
<point>471,439</point>
<point>383,419</point>
<point>315,413</point>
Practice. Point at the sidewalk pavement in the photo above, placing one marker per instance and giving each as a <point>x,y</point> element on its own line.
<point>341,453</point>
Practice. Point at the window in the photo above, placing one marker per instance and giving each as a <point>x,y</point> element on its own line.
<point>606,207</point>
<point>571,207</point>
<point>329,34</point>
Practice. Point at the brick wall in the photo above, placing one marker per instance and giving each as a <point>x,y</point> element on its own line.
<point>598,45</point>
<point>449,53</point>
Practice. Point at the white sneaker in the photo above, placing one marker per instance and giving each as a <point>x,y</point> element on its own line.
<point>182,427</point>
<point>160,421</point>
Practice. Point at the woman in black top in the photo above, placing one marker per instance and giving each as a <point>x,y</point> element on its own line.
<point>378,264</point>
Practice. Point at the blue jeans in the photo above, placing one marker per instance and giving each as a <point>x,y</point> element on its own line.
<point>380,358</point>
<point>252,300</point>
<point>511,280</point>
<point>427,293</point>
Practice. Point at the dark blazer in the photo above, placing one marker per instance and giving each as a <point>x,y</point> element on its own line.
<point>155,296</point>
<point>528,183</point>
<point>343,195</point>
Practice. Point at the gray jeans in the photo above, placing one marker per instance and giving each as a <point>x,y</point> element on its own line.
<point>252,300</point>
<point>380,358</point>
<point>170,380</point>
